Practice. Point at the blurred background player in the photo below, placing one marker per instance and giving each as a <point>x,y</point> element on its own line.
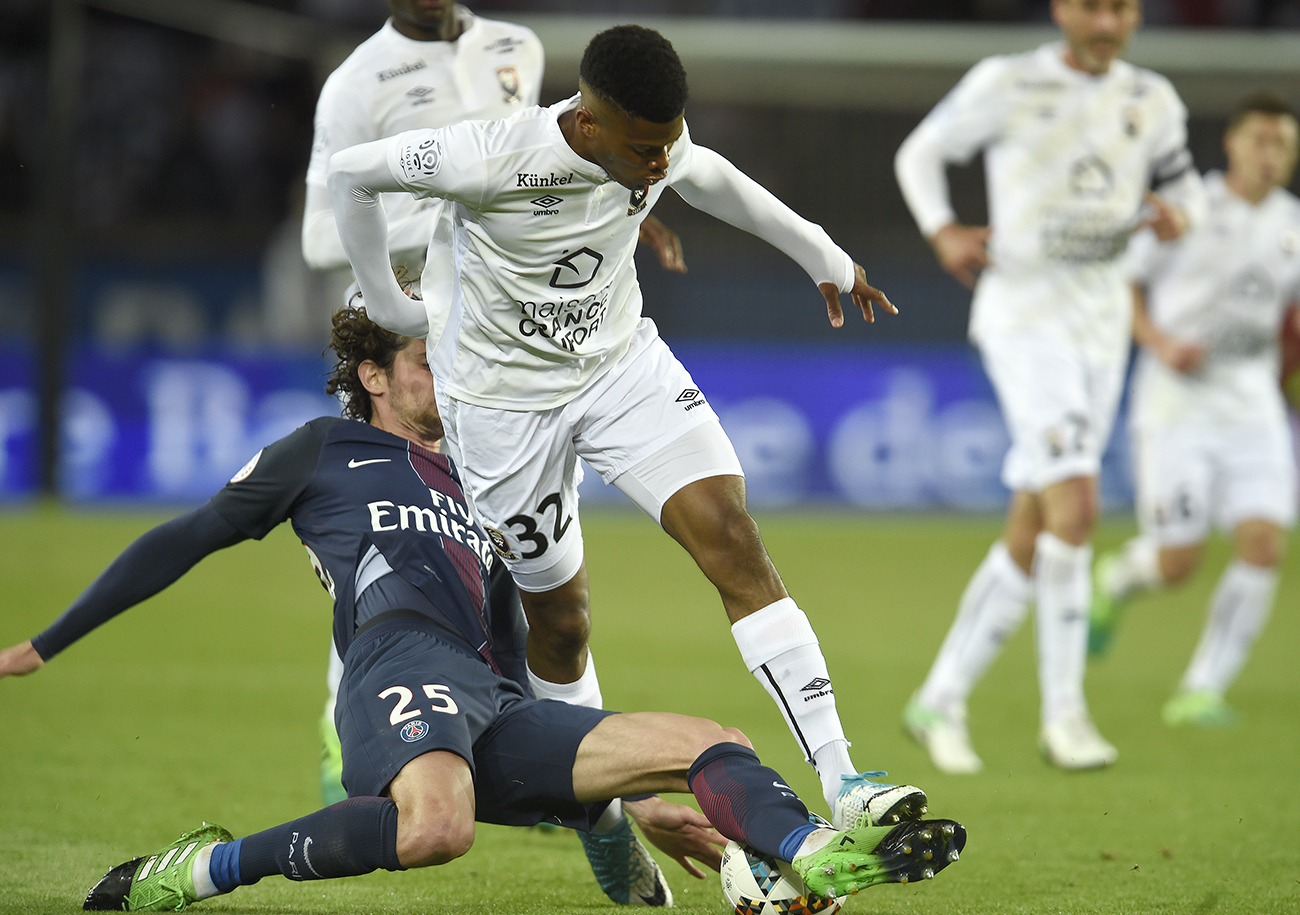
<point>543,357</point>
<point>431,64</point>
<point>1072,135</point>
<point>1212,439</point>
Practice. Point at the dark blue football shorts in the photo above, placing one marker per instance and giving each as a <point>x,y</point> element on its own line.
<point>406,691</point>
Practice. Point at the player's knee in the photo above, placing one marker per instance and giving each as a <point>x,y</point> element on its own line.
<point>430,837</point>
<point>560,621</point>
<point>1178,564</point>
<point>1261,545</point>
<point>735,735</point>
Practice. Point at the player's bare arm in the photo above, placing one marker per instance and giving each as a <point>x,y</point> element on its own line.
<point>1166,219</point>
<point>1180,355</point>
<point>664,242</point>
<point>962,250</point>
<point>863,295</point>
<point>18,660</point>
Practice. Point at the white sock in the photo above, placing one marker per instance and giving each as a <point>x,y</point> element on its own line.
<point>991,609</point>
<point>204,888</point>
<point>815,840</point>
<point>1063,592</point>
<point>583,691</point>
<point>611,818</point>
<point>1238,611</point>
<point>1137,569</point>
<point>780,648</point>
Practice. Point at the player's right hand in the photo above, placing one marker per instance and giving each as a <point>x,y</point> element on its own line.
<point>20,659</point>
<point>1181,356</point>
<point>962,250</point>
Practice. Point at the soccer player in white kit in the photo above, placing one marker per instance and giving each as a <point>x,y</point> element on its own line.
<point>1212,441</point>
<point>542,356</point>
<point>1073,137</point>
<point>430,65</point>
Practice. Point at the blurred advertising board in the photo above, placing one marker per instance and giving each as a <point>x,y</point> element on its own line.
<point>897,428</point>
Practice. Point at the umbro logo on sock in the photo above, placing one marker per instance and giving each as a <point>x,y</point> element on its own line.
<point>816,688</point>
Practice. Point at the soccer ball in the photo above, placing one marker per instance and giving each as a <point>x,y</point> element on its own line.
<point>755,884</point>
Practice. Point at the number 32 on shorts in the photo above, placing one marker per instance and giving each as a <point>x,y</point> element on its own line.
<point>403,711</point>
<point>529,523</point>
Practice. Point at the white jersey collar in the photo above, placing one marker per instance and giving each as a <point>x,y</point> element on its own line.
<point>469,24</point>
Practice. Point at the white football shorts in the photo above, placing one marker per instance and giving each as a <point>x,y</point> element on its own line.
<point>643,426</point>
<point>1059,407</point>
<point>1190,478</point>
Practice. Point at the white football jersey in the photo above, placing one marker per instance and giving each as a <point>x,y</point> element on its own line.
<point>392,83</point>
<point>544,296</point>
<point>1226,286</point>
<point>1068,157</point>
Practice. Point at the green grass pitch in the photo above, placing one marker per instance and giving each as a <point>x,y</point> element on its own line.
<point>203,703</point>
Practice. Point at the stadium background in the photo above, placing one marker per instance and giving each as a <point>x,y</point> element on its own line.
<point>150,188</point>
<point>150,242</point>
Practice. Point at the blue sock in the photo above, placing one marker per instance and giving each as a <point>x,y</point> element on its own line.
<point>352,837</point>
<point>747,801</point>
<point>790,844</point>
<point>223,868</point>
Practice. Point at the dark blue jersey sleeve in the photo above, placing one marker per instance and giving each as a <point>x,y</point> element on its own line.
<point>263,493</point>
<point>148,565</point>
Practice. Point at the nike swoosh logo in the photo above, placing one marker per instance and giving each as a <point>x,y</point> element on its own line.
<point>355,463</point>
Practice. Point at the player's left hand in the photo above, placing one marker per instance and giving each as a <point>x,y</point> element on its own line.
<point>20,659</point>
<point>664,242</point>
<point>680,832</point>
<point>862,293</point>
<point>1165,219</point>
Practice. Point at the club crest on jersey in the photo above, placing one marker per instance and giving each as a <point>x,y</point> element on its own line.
<point>499,543</point>
<point>508,77</point>
<point>414,730</point>
<point>1132,116</point>
<point>638,200</point>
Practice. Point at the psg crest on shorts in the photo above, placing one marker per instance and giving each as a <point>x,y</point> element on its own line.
<point>414,730</point>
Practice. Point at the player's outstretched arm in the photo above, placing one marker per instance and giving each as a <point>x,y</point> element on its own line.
<point>863,295</point>
<point>680,832</point>
<point>18,660</point>
<point>155,560</point>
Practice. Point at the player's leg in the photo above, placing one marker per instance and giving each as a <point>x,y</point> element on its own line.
<point>1173,473</point>
<point>991,609</point>
<point>1257,503</point>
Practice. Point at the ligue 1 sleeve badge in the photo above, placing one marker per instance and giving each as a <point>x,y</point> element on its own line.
<point>415,730</point>
<point>499,543</point>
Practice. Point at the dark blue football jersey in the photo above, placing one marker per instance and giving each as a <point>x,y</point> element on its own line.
<point>347,486</point>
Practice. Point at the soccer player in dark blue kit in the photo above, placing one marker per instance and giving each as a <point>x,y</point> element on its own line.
<point>437,726</point>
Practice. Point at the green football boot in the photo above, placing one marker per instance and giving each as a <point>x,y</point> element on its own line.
<point>864,856</point>
<point>1202,707</point>
<point>1104,614</point>
<point>161,882</point>
<point>331,761</point>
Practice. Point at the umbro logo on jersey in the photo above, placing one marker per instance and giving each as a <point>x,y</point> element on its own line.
<point>692,398</point>
<point>354,463</point>
<point>420,91</point>
<point>547,204</point>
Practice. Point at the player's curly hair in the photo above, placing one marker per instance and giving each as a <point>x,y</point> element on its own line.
<point>1261,102</point>
<point>637,69</point>
<point>353,340</point>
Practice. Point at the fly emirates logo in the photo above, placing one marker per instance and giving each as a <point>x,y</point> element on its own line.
<point>447,517</point>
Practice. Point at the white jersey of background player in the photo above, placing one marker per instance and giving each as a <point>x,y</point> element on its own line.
<point>543,356</point>
<point>393,82</point>
<point>1212,439</point>
<point>1073,138</point>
